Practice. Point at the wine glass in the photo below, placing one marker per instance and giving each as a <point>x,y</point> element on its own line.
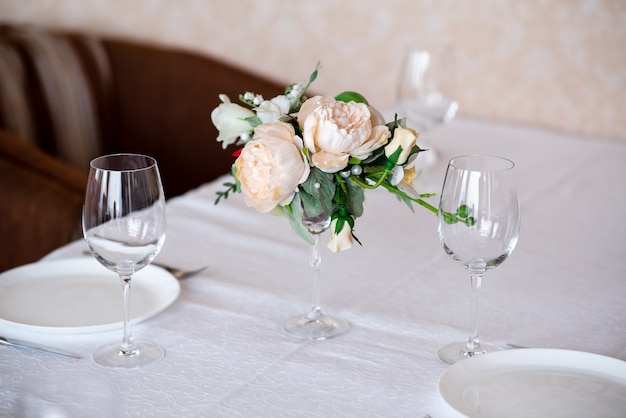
<point>124,226</point>
<point>479,224</point>
<point>426,93</point>
<point>315,325</point>
<point>427,88</point>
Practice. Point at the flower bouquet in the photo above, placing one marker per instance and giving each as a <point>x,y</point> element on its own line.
<point>316,155</point>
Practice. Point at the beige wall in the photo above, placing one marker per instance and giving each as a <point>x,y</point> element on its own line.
<point>551,63</point>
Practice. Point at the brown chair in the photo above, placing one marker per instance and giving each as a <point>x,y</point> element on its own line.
<point>73,96</point>
<point>40,202</point>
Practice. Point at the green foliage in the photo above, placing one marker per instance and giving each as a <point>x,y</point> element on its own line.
<point>392,160</point>
<point>321,188</point>
<point>294,212</point>
<point>341,194</point>
<point>351,96</point>
<point>355,197</point>
<point>462,214</point>
<point>395,123</point>
<point>254,121</point>
<point>230,187</point>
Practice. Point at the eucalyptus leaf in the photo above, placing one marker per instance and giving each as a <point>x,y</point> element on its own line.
<point>293,212</point>
<point>406,200</point>
<point>380,152</point>
<point>355,199</point>
<point>310,204</point>
<point>321,186</point>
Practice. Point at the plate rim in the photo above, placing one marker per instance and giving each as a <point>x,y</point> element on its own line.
<point>528,357</point>
<point>88,264</point>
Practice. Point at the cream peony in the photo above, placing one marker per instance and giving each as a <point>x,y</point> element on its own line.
<point>333,131</point>
<point>229,119</point>
<point>271,166</point>
<point>341,241</point>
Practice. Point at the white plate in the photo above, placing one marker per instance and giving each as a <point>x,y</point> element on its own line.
<point>536,383</point>
<point>80,295</point>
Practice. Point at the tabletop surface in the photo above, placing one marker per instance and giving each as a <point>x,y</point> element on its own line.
<point>564,286</point>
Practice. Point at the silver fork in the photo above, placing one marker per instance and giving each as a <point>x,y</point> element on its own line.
<point>179,273</point>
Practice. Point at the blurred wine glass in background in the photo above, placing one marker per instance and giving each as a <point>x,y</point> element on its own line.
<point>427,87</point>
<point>426,93</point>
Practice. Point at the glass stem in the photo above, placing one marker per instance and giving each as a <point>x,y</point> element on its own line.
<point>473,342</point>
<point>315,261</point>
<point>128,347</point>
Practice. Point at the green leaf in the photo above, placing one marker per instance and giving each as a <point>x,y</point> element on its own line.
<point>230,187</point>
<point>395,123</point>
<point>312,78</point>
<point>464,211</point>
<point>313,75</point>
<point>339,225</point>
<point>392,160</point>
<point>351,96</point>
<point>293,212</point>
<point>254,121</point>
<point>449,218</point>
<point>354,199</point>
<point>233,172</point>
<point>320,186</point>
<point>311,204</point>
<point>403,198</point>
<point>379,153</point>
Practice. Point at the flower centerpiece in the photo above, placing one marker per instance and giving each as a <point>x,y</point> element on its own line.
<point>319,153</point>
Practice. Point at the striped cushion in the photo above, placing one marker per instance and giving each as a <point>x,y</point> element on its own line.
<point>50,90</point>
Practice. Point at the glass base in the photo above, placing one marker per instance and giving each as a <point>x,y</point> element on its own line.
<point>318,327</point>
<point>455,352</point>
<point>111,355</point>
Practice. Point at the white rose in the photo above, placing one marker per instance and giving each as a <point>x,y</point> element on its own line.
<point>229,119</point>
<point>271,110</point>
<point>402,138</point>
<point>271,166</point>
<point>333,131</point>
<point>404,176</point>
<point>342,240</point>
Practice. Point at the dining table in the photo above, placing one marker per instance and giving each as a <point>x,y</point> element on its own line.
<point>562,290</point>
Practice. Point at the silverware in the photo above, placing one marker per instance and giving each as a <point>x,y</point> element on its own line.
<point>516,346</point>
<point>35,346</point>
<point>179,273</point>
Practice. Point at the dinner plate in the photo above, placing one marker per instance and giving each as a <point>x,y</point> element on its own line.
<point>536,383</point>
<point>79,295</point>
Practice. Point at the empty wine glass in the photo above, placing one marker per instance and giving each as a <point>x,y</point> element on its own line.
<point>315,325</point>
<point>426,93</point>
<point>479,224</point>
<point>124,225</point>
<point>427,88</point>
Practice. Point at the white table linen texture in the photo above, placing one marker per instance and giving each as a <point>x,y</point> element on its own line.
<point>564,286</point>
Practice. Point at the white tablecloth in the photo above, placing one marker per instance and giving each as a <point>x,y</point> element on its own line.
<point>563,287</point>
